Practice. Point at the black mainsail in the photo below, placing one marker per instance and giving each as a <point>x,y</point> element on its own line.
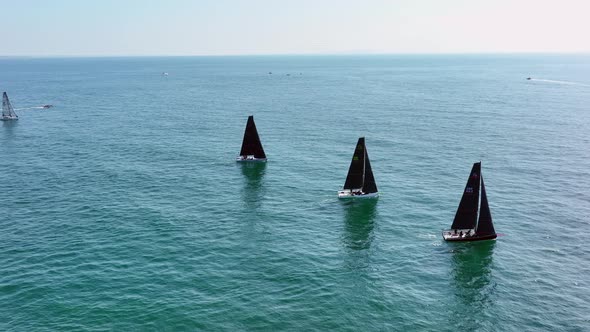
<point>7,110</point>
<point>354,179</point>
<point>466,216</point>
<point>251,145</point>
<point>360,175</point>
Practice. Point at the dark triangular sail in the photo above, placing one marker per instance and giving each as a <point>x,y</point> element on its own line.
<point>251,145</point>
<point>485,225</point>
<point>466,216</point>
<point>7,110</point>
<point>354,179</point>
<point>369,185</point>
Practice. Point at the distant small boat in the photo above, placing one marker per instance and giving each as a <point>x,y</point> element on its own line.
<point>47,106</point>
<point>251,146</point>
<point>466,226</point>
<point>360,182</point>
<point>528,78</point>
<point>164,73</point>
<point>7,110</point>
<point>270,72</point>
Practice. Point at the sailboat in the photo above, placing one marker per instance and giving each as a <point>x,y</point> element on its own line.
<point>7,110</point>
<point>251,147</point>
<point>466,226</point>
<point>360,182</point>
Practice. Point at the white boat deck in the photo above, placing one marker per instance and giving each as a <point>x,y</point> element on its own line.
<point>250,158</point>
<point>355,193</point>
<point>458,233</point>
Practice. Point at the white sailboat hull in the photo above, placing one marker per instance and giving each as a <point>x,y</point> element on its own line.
<point>250,158</point>
<point>8,118</point>
<point>453,234</point>
<point>348,194</point>
<point>461,235</point>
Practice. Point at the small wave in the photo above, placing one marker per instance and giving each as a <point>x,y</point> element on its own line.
<point>427,236</point>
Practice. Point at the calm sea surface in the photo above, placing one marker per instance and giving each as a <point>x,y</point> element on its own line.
<point>122,207</point>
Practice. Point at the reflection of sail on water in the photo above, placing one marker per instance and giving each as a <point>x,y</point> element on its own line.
<point>473,284</point>
<point>356,240</point>
<point>359,224</point>
<point>253,177</point>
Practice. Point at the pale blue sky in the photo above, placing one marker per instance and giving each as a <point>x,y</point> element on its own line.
<point>228,27</point>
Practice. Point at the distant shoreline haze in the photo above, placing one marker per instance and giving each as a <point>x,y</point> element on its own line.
<point>295,55</point>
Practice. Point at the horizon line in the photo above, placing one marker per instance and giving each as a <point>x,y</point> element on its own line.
<point>351,53</point>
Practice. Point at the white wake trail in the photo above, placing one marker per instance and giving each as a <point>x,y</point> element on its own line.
<point>30,108</point>
<point>559,82</point>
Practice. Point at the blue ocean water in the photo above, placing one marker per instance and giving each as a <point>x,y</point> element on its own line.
<point>123,208</point>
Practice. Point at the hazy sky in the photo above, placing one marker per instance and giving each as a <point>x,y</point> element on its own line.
<point>206,27</point>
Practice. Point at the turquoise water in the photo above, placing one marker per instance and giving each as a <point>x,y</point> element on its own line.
<point>123,208</point>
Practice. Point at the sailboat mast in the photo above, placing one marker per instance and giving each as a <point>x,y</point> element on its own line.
<point>5,103</point>
<point>480,206</point>
<point>364,167</point>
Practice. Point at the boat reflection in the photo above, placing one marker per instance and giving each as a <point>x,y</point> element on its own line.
<point>473,284</point>
<point>253,176</point>
<point>359,223</point>
<point>8,126</point>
